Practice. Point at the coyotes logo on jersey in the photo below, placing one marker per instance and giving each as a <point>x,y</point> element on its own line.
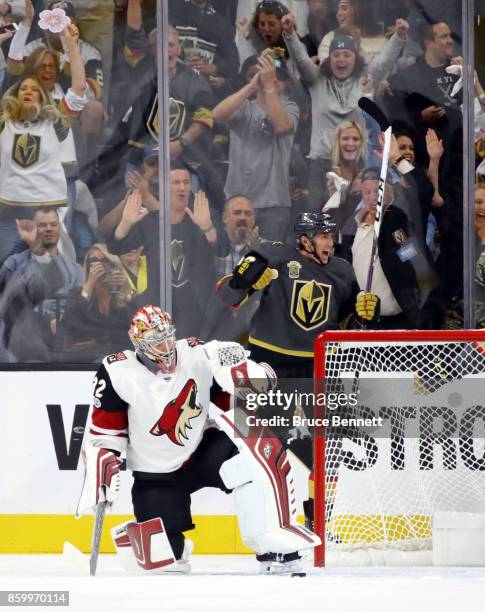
<point>177,414</point>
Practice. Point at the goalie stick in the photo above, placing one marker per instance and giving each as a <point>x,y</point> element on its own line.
<point>97,530</point>
<point>371,108</point>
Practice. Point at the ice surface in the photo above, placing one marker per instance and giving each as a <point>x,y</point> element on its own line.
<point>229,583</point>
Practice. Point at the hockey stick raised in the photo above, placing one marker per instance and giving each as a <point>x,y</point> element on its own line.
<point>371,108</point>
<point>97,530</point>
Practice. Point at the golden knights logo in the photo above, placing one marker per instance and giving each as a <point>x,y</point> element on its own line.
<point>177,115</point>
<point>399,236</point>
<point>152,121</point>
<point>310,304</point>
<point>179,264</point>
<point>26,149</point>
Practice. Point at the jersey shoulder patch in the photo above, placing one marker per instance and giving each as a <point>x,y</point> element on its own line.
<point>116,357</point>
<point>194,342</point>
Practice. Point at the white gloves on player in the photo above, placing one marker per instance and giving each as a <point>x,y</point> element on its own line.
<point>101,479</point>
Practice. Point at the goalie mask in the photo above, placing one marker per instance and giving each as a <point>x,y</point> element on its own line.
<point>152,333</point>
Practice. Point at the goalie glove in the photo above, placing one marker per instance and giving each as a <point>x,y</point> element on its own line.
<point>223,354</point>
<point>101,479</point>
<point>368,306</point>
<point>233,371</point>
<point>251,272</point>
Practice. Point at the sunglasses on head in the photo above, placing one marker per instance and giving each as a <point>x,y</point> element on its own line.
<point>271,6</point>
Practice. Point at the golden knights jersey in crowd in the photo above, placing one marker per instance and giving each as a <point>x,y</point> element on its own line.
<point>190,100</point>
<point>306,299</point>
<point>30,154</point>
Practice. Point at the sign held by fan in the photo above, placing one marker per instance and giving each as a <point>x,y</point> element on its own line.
<point>55,20</point>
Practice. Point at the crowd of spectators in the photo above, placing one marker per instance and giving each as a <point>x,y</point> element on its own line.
<point>264,125</point>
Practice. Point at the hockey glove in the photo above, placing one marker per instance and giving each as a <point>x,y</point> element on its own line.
<point>264,280</point>
<point>101,478</point>
<point>368,306</point>
<point>251,272</point>
<point>233,371</point>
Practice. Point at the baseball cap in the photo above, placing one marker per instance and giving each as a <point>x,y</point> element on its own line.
<point>150,152</point>
<point>343,42</point>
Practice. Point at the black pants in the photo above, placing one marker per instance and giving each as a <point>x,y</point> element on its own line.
<point>168,495</point>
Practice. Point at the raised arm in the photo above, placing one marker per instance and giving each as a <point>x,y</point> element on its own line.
<point>78,74</point>
<point>230,105</point>
<point>16,53</point>
<point>136,40</point>
<point>309,73</point>
<point>383,63</point>
<point>133,213</point>
<point>134,15</point>
<point>280,119</point>
<point>435,150</point>
<point>201,216</point>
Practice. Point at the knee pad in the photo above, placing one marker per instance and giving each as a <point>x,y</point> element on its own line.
<point>260,475</point>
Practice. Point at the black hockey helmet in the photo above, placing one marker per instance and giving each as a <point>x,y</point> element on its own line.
<point>310,223</point>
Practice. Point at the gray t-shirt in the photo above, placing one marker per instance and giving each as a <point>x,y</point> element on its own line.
<point>259,158</point>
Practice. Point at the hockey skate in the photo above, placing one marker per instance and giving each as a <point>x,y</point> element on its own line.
<point>310,522</point>
<point>182,565</point>
<point>281,564</point>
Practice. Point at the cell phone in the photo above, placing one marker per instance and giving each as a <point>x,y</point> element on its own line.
<point>9,27</point>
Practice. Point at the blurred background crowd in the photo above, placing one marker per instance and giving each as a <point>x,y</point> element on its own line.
<point>264,125</point>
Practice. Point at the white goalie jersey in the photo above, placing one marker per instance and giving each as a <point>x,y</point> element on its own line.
<point>159,419</point>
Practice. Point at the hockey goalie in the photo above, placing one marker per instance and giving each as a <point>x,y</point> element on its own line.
<point>156,405</point>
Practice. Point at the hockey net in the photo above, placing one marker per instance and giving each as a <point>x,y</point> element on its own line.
<point>378,488</point>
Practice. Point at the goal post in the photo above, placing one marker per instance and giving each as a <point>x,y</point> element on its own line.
<point>376,494</point>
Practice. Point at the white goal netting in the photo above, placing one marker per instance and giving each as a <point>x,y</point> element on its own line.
<point>425,454</point>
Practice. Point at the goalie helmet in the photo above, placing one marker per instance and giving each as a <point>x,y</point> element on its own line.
<point>152,333</point>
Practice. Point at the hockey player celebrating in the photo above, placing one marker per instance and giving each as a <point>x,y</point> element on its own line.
<point>154,404</point>
<point>305,291</point>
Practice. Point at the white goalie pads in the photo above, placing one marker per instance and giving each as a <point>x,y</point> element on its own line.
<point>102,479</point>
<point>233,371</point>
<point>262,483</point>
